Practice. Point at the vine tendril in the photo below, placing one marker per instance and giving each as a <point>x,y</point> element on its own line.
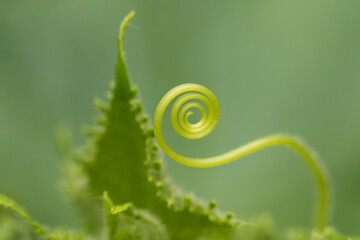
<point>182,110</point>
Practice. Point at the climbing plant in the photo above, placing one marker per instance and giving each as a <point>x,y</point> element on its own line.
<point>119,183</point>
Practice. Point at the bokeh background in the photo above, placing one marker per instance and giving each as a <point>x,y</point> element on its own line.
<point>275,66</point>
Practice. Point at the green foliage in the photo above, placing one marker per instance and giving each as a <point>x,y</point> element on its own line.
<point>329,234</point>
<point>9,203</point>
<point>127,222</point>
<point>12,227</point>
<point>9,229</point>
<point>119,183</point>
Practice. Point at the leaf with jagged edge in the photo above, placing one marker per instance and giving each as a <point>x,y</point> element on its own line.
<point>121,157</point>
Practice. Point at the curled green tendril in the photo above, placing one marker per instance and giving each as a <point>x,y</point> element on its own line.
<point>182,109</point>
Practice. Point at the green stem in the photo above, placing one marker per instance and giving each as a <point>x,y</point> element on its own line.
<point>179,118</point>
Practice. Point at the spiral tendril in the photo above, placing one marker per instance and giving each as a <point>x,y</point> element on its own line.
<point>182,110</point>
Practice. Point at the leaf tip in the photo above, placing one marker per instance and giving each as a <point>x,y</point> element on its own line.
<point>122,30</point>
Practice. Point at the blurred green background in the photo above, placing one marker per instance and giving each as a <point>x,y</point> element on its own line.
<point>275,66</point>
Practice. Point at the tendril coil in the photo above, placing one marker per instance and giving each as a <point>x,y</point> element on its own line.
<point>188,96</point>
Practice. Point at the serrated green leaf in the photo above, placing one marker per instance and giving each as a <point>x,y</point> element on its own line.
<point>123,158</point>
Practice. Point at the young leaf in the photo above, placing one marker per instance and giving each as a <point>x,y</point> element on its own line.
<point>123,159</point>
